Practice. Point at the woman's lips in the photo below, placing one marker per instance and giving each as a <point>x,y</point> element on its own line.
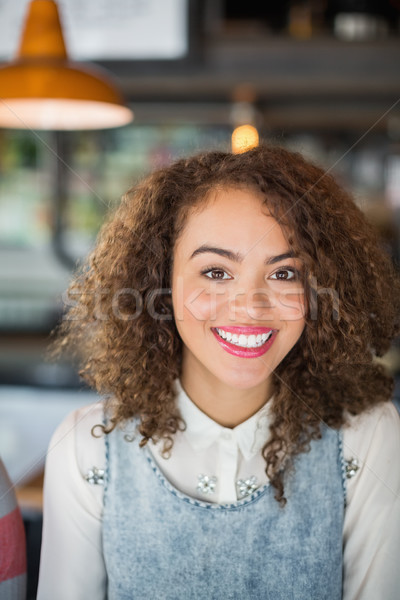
<point>242,351</point>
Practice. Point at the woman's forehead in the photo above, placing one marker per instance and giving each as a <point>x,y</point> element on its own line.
<point>215,208</point>
<point>234,219</point>
<point>227,198</point>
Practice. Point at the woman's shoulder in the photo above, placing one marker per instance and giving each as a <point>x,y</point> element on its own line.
<point>80,422</point>
<point>382,419</point>
<point>80,438</point>
<point>371,447</point>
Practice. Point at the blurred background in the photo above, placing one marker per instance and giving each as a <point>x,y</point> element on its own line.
<point>321,77</point>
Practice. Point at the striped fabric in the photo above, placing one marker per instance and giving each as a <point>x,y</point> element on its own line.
<point>12,543</point>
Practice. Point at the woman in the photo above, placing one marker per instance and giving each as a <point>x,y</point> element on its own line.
<point>231,314</point>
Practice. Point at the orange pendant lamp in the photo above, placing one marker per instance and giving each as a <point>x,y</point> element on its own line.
<point>43,89</point>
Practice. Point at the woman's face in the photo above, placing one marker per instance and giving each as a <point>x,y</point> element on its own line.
<point>237,296</point>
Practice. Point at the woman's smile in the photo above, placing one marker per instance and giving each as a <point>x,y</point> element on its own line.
<point>246,342</point>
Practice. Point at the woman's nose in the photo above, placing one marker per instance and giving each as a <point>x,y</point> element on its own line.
<point>251,303</point>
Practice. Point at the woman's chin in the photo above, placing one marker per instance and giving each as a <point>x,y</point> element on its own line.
<point>241,380</point>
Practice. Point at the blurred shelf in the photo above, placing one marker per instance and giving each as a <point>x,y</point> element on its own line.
<point>312,83</point>
<point>274,65</point>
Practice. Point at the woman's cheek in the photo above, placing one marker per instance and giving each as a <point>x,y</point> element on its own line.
<point>291,305</point>
<point>203,304</point>
<point>191,302</point>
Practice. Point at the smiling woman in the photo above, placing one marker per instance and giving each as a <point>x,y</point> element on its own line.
<point>231,314</point>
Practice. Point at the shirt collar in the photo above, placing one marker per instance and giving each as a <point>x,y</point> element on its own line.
<point>201,431</point>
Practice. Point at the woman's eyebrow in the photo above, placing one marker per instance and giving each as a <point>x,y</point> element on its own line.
<point>236,256</point>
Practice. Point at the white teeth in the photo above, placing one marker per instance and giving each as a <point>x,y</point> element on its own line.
<point>245,341</point>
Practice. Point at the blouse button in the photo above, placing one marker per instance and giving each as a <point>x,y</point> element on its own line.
<point>226,434</point>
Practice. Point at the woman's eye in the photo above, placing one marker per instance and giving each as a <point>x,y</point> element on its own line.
<point>285,274</point>
<point>216,274</point>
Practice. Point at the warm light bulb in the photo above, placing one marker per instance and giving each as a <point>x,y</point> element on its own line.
<point>244,138</point>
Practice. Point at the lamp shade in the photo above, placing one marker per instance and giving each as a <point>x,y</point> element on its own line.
<point>43,89</point>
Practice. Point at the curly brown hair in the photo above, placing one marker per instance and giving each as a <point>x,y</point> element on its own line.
<point>120,323</point>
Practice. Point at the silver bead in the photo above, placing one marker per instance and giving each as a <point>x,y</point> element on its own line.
<point>245,487</point>
<point>351,468</point>
<point>95,476</point>
<point>206,484</point>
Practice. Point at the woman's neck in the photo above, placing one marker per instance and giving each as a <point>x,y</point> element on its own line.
<point>226,405</point>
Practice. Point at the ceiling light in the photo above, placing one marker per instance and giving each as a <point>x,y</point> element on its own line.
<point>43,89</point>
<point>244,138</point>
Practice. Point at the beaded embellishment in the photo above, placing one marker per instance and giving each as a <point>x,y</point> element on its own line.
<point>351,467</point>
<point>95,476</point>
<point>245,487</point>
<point>206,484</point>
